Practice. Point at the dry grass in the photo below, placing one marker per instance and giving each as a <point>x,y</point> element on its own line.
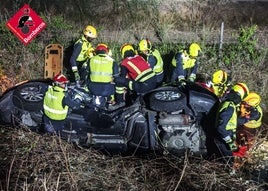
<point>30,161</point>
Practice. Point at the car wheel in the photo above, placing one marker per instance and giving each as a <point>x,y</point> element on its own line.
<point>29,96</point>
<point>168,100</point>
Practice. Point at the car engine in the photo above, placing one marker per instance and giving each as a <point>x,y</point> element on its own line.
<point>180,133</point>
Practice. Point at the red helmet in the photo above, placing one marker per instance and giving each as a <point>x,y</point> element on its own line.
<point>102,47</point>
<point>60,79</point>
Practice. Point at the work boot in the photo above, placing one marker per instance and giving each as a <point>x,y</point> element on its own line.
<point>49,129</point>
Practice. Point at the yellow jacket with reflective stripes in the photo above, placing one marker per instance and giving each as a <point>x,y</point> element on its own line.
<point>53,103</point>
<point>158,68</point>
<point>86,46</point>
<point>187,62</point>
<point>232,123</point>
<point>101,68</point>
<point>255,123</point>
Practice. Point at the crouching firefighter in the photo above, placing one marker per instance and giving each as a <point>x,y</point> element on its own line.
<point>135,75</point>
<point>102,70</point>
<point>56,105</point>
<point>249,122</point>
<point>228,120</point>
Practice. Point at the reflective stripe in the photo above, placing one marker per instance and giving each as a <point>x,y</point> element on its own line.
<point>180,77</point>
<point>134,67</point>
<point>119,90</point>
<point>74,69</point>
<point>130,85</point>
<point>147,74</point>
<point>158,73</point>
<point>53,103</point>
<point>101,68</point>
<point>227,139</point>
<point>193,76</point>
<point>101,74</point>
<point>54,110</point>
<point>137,67</point>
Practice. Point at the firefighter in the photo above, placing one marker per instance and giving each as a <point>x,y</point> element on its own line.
<point>220,83</point>
<point>228,119</point>
<point>56,104</point>
<point>249,121</point>
<point>135,74</point>
<point>83,50</point>
<point>102,70</point>
<point>153,57</point>
<point>185,64</point>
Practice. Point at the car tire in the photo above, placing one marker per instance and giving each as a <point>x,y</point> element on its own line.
<point>167,100</point>
<point>29,96</point>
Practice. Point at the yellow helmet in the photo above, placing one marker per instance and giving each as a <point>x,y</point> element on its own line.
<point>144,45</point>
<point>253,99</point>
<point>125,47</point>
<point>90,31</point>
<point>219,77</point>
<point>194,49</point>
<point>241,89</point>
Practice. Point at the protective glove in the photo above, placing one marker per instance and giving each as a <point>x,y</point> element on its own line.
<point>232,145</point>
<point>84,66</point>
<point>77,84</point>
<point>182,81</point>
<point>76,76</point>
<point>192,77</point>
<point>241,152</point>
<point>78,97</point>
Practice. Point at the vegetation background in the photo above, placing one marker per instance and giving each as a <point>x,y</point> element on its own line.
<point>31,163</point>
<point>169,25</point>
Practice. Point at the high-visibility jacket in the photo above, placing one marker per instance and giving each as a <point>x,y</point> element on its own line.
<point>86,46</point>
<point>187,62</point>
<point>232,122</point>
<point>158,68</point>
<point>219,89</point>
<point>101,68</point>
<point>255,123</point>
<point>138,69</point>
<point>53,107</point>
<point>227,121</point>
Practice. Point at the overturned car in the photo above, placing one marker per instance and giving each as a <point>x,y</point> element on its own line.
<point>170,118</point>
